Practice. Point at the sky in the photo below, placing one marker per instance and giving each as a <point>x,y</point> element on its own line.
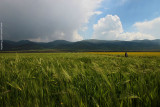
<point>75,20</point>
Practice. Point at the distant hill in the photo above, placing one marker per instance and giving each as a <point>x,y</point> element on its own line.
<point>84,45</point>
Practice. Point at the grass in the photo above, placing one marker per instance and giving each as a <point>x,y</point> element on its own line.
<point>130,53</point>
<point>79,79</point>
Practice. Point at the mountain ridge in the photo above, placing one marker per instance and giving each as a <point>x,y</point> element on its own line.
<point>84,45</point>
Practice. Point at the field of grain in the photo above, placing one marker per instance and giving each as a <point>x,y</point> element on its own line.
<point>80,79</point>
<point>130,53</point>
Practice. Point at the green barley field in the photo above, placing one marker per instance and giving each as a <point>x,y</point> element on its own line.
<point>79,80</point>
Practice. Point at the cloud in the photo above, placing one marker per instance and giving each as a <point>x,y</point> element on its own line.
<point>97,12</point>
<point>110,28</point>
<point>123,1</point>
<point>46,20</point>
<point>77,36</point>
<point>115,3</point>
<point>84,28</point>
<point>149,27</point>
<point>134,36</point>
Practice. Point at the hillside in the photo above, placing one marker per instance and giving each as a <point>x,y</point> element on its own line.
<point>84,45</point>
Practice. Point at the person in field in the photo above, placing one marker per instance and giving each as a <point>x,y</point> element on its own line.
<point>126,55</point>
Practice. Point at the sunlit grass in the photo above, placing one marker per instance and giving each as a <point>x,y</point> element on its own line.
<point>79,79</point>
<point>129,53</point>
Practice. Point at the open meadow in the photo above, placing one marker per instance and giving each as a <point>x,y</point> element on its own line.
<point>80,79</point>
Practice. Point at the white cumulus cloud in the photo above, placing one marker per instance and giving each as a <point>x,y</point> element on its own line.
<point>134,36</point>
<point>97,12</point>
<point>107,28</point>
<point>110,28</point>
<point>149,27</point>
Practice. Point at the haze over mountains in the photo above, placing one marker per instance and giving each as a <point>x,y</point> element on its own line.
<point>84,45</point>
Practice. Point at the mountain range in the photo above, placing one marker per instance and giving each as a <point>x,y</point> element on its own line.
<point>83,46</point>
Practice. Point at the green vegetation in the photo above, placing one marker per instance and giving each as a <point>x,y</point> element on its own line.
<point>78,79</point>
<point>91,45</point>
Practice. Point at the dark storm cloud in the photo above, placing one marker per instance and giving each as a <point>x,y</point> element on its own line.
<point>45,20</point>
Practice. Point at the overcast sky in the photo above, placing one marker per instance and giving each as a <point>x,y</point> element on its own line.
<point>74,20</point>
